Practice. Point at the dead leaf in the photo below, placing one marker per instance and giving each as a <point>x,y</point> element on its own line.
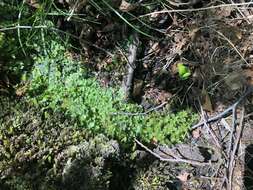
<point>154,48</point>
<point>224,11</point>
<point>248,74</point>
<point>126,7</point>
<point>196,133</point>
<point>180,43</point>
<point>183,177</point>
<point>164,96</point>
<point>154,141</point>
<point>194,33</point>
<point>206,101</point>
<point>155,16</point>
<point>33,3</point>
<point>21,90</point>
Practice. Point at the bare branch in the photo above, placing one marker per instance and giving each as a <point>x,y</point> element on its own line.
<point>227,111</point>
<point>233,153</point>
<point>174,160</point>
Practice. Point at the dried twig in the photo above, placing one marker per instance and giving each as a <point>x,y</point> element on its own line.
<point>72,10</point>
<point>233,46</point>
<point>142,113</point>
<point>227,111</point>
<point>241,13</point>
<point>211,132</point>
<point>175,159</point>
<point>233,152</point>
<point>233,128</point>
<point>198,9</point>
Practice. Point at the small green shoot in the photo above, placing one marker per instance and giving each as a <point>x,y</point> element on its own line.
<point>183,71</point>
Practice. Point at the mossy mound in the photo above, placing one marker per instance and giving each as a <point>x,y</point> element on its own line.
<point>38,152</point>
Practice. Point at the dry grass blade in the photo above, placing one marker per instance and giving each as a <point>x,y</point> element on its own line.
<point>198,9</point>
<point>233,46</point>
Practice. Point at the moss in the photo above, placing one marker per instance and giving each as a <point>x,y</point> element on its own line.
<point>38,152</point>
<point>151,177</point>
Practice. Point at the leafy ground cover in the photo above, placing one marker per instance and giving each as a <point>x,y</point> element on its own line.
<point>63,65</point>
<point>61,84</point>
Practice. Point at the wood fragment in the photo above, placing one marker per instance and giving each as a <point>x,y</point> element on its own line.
<point>128,84</point>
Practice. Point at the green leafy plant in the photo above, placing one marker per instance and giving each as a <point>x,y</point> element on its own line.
<point>183,71</point>
<point>61,84</point>
<point>168,128</point>
<point>20,35</point>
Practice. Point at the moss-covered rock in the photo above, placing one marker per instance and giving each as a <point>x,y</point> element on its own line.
<point>46,151</point>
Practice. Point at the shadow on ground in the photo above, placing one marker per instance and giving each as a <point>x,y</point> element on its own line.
<point>248,173</point>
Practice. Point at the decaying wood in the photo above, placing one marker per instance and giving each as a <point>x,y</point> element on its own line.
<point>132,56</point>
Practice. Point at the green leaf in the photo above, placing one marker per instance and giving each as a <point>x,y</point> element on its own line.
<point>183,71</point>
